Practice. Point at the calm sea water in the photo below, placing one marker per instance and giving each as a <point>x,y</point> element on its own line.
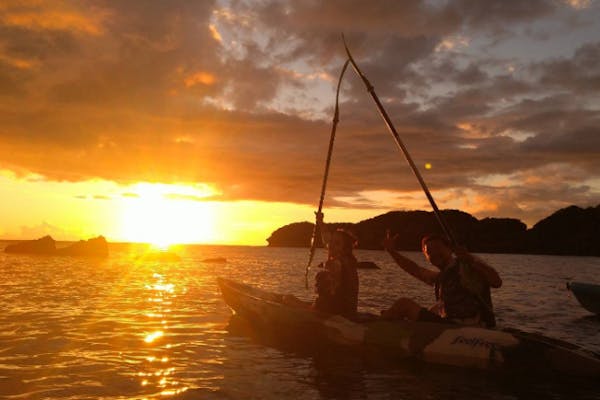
<point>125,328</point>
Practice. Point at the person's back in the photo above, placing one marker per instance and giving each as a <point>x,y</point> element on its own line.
<point>345,285</point>
<point>341,265</point>
<point>324,302</point>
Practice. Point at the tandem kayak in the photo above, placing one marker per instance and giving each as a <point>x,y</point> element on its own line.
<point>587,294</point>
<point>446,344</point>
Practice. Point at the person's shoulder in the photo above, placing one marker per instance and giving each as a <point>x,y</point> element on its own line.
<point>466,267</point>
<point>471,277</point>
<point>471,266</point>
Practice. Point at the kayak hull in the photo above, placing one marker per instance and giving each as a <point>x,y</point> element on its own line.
<point>587,294</point>
<point>445,344</point>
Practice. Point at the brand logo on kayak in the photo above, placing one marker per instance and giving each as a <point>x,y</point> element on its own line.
<point>474,342</point>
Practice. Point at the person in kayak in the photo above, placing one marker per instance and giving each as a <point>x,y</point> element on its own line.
<point>336,284</point>
<point>340,294</point>
<point>461,285</point>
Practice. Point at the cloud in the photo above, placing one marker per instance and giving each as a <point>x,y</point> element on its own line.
<point>536,191</point>
<point>45,228</point>
<point>241,97</point>
<point>52,16</point>
<point>580,73</point>
<point>179,196</point>
<point>579,4</point>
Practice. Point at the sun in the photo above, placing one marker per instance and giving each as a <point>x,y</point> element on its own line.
<point>163,215</point>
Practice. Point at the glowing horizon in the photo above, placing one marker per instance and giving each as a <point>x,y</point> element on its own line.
<point>157,214</point>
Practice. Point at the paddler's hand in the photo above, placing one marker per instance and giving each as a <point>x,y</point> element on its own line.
<point>389,242</point>
<point>319,217</point>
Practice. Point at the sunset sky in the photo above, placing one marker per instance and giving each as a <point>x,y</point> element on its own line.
<point>208,121</point>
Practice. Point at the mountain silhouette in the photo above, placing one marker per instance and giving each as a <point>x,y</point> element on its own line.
<point>568,231</point>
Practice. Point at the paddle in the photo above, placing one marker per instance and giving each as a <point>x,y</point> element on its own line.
<point>401,145</point>
<point>336,118</point>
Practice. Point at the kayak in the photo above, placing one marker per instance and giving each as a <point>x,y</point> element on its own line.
<point>587,294</point>
<point>437,343</point>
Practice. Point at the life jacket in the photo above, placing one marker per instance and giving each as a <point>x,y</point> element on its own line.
<point>464,294</point>
<point>344,290</point>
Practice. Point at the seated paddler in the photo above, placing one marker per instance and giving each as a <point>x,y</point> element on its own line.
<point>461,285</point>
<point>336,283</point>
<point>339,293</point>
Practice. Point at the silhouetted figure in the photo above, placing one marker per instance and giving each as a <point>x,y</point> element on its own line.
<point>341,267</point>
<point>336,284</point>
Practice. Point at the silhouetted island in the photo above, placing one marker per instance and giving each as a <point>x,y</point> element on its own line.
<point>43,245</point>
<point>95,247</point>
<point>569,231</point>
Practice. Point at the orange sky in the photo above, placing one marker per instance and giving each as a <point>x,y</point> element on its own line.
<point>208,122</point>
<point>161,214</point>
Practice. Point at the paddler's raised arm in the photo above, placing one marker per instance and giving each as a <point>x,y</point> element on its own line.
<point>423,274</point>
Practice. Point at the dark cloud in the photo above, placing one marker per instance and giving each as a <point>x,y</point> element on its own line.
<point>583,143</point>
<point>178,196</point>
<point>497,14</point>
<point>580,73</point>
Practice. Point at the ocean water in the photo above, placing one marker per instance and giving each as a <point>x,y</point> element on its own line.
<point>128,327</point>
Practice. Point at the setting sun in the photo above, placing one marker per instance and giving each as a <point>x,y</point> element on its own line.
<point>163,215</point>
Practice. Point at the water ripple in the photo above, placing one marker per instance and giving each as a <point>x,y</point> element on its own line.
<point>125,328</point>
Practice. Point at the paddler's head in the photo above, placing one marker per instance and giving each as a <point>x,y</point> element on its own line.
<point>437,250</point>
<point>342,242</point>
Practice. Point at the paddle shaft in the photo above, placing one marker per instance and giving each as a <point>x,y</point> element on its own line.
<point>336,119</point>
<point>401,145</point>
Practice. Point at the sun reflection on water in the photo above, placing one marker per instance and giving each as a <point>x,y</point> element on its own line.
<point>159,375</point>
<point>153,336</point>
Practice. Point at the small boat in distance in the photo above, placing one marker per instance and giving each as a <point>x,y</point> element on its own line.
<point>510,351</point>
<point>587,294</point>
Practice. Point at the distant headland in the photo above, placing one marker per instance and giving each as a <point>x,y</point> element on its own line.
<point>95,247</point>
<point>568,231</point>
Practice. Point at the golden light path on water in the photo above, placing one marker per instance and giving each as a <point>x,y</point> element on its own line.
<point>159,372</point>
<point>159,301</point>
